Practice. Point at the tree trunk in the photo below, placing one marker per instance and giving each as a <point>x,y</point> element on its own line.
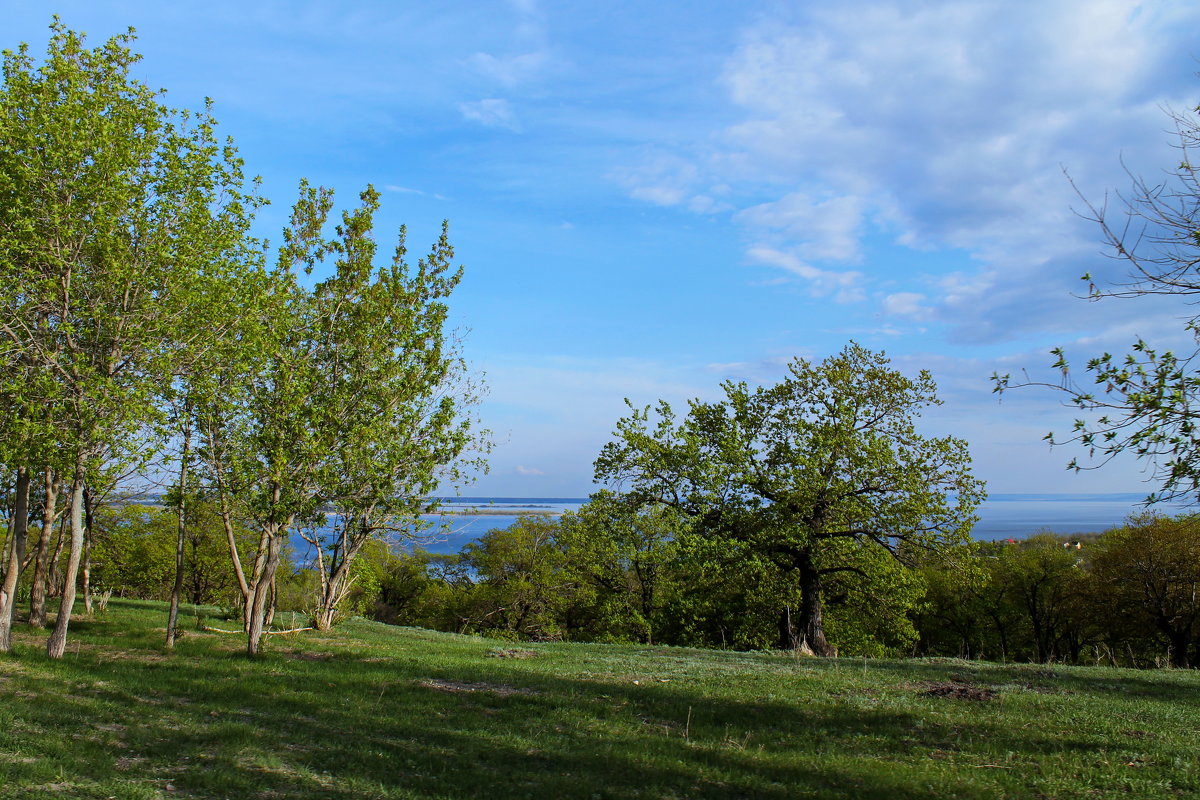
<point>55,577</point>
<point>88,519</point>
<point>810,627</point>
<point>257,608</point>
<point>12,574</point>
<point>789,637</point>
<point>37,594</point>
<point>56,645</point>
<point>181,538</point>
<point>272,601</point>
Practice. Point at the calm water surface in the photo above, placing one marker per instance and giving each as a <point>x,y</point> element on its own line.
<point>1003,516</point>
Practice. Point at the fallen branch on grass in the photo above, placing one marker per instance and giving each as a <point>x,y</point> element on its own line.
<point>265,633</point>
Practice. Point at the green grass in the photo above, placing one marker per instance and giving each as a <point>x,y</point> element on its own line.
<point>371,711</point>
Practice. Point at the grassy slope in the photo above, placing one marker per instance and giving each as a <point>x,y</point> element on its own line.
<point>371,711</point>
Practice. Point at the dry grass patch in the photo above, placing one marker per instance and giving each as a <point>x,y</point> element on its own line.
<point>464,687</point>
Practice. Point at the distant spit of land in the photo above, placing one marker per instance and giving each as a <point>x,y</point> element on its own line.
<point>496,512</point>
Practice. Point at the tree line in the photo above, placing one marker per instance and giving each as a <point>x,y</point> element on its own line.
<point>610,573</point>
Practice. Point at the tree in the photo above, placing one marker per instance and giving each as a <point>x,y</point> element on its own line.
<point>523,585</point>
<point>1042,580</point>
<point>1148,573</point>
<point>627,557</point>
<point>1147,401</point>
<point>111,206</point>
<point>804,474</point>
<point>400,390</point>
<point>353,401</point>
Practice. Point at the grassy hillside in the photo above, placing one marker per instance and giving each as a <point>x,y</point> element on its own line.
<point>372,711</point>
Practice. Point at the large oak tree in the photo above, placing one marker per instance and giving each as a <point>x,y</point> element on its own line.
<point>812,474</point>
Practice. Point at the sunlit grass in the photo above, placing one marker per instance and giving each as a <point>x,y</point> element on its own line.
<point>371,711</point>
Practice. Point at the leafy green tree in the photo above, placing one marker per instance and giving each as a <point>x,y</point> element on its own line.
<point>110,204</point>
<point>803,472</point>
<point>523,584</point>
<point>354,401</point>
<point>398,388</point>
<point>1147,575</point>
<point>628,557</point>
<point>966,612</point>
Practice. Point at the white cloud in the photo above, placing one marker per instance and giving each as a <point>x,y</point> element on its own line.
<point>906,304</point>
<point>510,71</point>
<point>844,286</point>
<point>826,229</point>
<point>409,190</point>
<point>522,470</point>
<point>492,112</point>
<point>663,179</point>
<point>943,127</point>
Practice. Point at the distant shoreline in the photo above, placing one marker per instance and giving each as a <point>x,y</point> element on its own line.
<point>493,512</point>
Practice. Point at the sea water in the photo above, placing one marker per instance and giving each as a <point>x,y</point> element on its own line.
<point>1002,516</point>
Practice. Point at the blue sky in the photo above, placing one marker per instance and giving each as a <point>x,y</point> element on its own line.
<point>649,199</point>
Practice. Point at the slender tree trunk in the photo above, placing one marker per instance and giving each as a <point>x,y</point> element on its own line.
<point>88,519</point>
<point>56,584</point>
<point>789,637</point>
<point>37,594</point>
<point>12,574</point>
<point>272,601</point>
<point>336,580</point>
<point>181,538</point>
<point>56,645</point>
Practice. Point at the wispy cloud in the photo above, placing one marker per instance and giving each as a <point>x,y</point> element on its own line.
<point>492,112</point>
<point>410,190</point>
<point>826,229</point>
<point>510,71</point>
<point>844,286</point>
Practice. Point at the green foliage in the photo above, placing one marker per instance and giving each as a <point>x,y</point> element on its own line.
<point>133,553</point>
<point>522,581</point>
<point>1126,596</point>
<point>117,215</point>
<point>626,559</point>
<point>1147,574</point>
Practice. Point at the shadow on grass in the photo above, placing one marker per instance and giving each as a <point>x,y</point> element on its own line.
<point>393,716</point>
<point>223,727</point>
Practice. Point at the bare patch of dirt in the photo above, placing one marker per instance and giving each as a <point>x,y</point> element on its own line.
<point>959,691</point>
<point>461,687</point>
<point>136,656</point>
<point>512,653</point>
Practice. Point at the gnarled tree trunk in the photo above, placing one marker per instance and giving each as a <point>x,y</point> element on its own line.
<point>808,633</point>
<point>261,589</point>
